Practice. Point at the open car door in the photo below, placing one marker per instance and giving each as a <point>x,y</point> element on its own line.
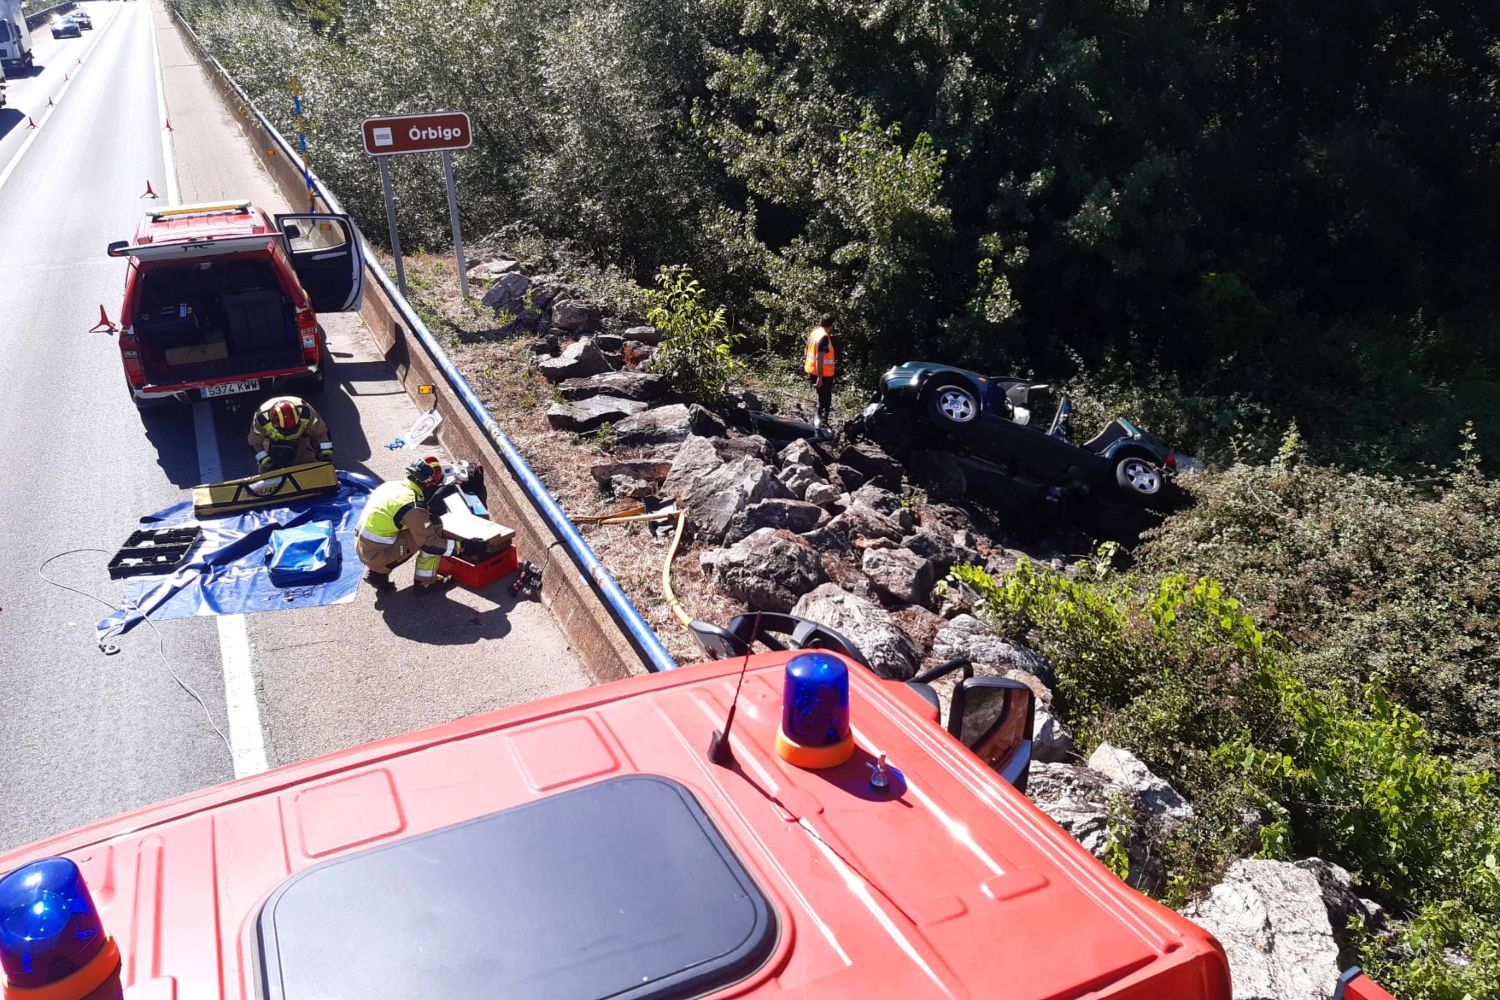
<point>326,255</point>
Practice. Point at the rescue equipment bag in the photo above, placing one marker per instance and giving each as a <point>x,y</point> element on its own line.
<point>305,554</point>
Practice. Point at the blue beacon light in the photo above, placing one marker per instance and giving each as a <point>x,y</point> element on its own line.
<point>815,712</point>
<point>52,942</point>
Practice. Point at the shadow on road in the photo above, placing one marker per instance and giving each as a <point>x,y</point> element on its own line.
<point>442,620</point>
<point>9,119</point>
<point>336,403</point>
<point>35,69</point>
<point>170,431</point>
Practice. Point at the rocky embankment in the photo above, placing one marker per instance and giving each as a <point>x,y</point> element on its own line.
<point>846,535</point>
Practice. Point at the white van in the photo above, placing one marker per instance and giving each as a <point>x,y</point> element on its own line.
<point>15,37</point>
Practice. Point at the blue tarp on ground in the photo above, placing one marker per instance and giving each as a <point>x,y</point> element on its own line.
<point>226,572</point>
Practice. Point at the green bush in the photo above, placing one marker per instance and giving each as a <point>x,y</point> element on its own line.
<point>1369,578</point>
<point>696,352</point>
<point>1182,674</point>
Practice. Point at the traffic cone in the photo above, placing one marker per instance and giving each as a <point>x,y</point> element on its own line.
<point>50,104</point>
<point>30,123</point>
<point>105,323</point>
<point>169,126</point>
<point>150,193</point>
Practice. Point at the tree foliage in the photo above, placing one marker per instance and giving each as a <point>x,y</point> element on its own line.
<point>1284,200</point>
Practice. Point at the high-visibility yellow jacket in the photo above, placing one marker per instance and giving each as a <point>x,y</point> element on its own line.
<point>818,357</point>
<point>387,510</point>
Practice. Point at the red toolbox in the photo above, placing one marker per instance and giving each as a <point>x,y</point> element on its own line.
<point>477,576</point>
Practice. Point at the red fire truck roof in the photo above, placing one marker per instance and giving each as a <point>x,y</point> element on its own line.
<point>586,846</point>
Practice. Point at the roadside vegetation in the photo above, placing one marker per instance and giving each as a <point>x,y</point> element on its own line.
<point>1264,231</point>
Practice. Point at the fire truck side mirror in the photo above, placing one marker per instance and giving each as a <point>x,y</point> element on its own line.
<point>994,716</point>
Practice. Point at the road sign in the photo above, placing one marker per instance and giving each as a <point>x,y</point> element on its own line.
<point>441,132</point>
<point>417,133</point>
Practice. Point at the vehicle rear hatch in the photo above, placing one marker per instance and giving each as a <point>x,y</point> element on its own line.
<point>213,311</point>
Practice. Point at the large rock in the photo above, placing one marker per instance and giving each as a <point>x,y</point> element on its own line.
<point>802,452</point>
<point>899,574</point>
<point>575,317</point>
<point>872,463</point>
<point>662,425</point>
<point>828,539</point>
<point>730,448</point>
<point>890,651</point>
<point>1269,916</point>
<point>867,527</point>
<point>919,623</point>
<point>1100,815</point>
<point>492,269</point>
<point>788,515</point>
<point>944,552</point>
<point>591,413</point>
<point>1051,743</point>
<point>991,655</point>
<point>1340,899</point>
<point>846,478</point>
<point>714,491</point>
<point>644,334</point>
<point>799,479</point>
<point>879,498</point>
<point>1157,796</point>
<point>822,494</point>
<point>579,359</point>
<point>508,292</point>
<point>627,385</point>
<point>1077,800</point>
<point>645,469</point>
<point>705,423</point>
<point>768,570</point>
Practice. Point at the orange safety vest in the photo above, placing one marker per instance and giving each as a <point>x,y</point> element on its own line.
<point>818,357</point>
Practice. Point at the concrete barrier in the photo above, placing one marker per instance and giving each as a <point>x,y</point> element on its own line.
<point>609,634</point>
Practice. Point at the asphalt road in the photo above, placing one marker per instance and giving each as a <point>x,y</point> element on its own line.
<point>85,735</point>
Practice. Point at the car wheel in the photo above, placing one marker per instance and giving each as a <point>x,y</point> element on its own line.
<point>1138,477</point>
<point>952,404</point>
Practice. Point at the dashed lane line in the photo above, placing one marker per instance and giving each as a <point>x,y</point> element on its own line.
<point>46,114</point>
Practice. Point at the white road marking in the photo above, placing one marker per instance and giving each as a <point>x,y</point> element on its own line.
<point>161,113</point>
<point>46,113</point>
<point>247,744</point>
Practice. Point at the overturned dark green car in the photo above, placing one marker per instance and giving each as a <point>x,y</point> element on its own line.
<point>998,420</point>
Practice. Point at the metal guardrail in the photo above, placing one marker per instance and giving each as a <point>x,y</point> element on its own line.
<point>41,17</point>
<point>646,643</point>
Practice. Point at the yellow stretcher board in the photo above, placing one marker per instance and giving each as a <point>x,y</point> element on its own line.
<point>265,489</point>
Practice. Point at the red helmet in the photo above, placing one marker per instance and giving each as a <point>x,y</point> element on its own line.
<point>425,472</point>
<point>284,416</point>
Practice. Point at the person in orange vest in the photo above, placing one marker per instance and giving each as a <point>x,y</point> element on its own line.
<point>818,363</point>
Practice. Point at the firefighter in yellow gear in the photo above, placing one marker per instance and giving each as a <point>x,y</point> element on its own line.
<point>396,525</point>
<point>818,363</point>
<point>287,431</point>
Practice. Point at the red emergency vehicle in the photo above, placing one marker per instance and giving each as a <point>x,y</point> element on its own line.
<point>612,843</point>
<point>223,298</point>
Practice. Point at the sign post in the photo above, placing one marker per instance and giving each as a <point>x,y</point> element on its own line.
<point>442,132</point>
<point>302,143</point>
<point>390,218</point>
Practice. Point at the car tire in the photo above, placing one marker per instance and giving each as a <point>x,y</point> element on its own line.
<point>1138,477</point>
<point>952,405</point>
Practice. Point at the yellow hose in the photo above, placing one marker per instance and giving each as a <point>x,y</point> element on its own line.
<point>637,512</point>
<point>666,573</point>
